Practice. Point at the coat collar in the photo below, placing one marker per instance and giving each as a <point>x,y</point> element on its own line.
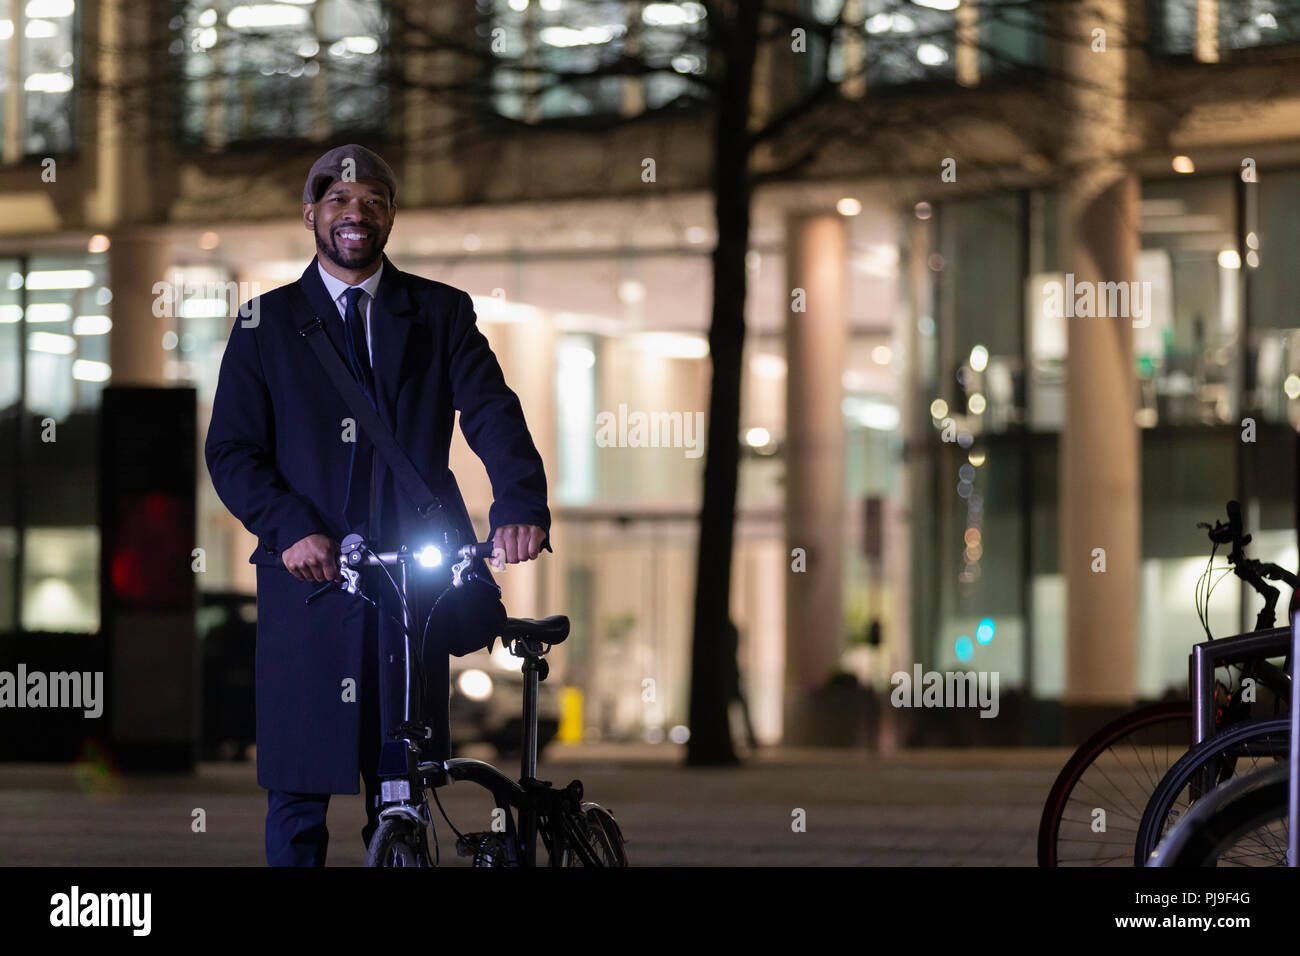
<point>391,315</point>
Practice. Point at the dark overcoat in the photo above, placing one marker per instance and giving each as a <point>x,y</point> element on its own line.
<point>277,461</point>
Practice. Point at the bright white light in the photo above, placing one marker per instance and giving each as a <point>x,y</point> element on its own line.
<point>879,23</point>
<point>882,355</point>
<point>848,206</point>
<point>939,409</point>
<point>671,14</point>
<point>931,55</point>
<point>768,366</point>
<point>630,292</point>
<point>979,358</point>
<point>40,30</point>
<point>881,416</point>
<point>672,344</point>
<point>308,48</point>
<point>267,15</point>
<point>98,243</point>
<point>938,4</point>
<point>576,357</point>
<point>1292,386</point>
<point>1266,21</point>
<point>48,83</point>
<point>49,312</point>
<point>10,313</point>
<point>568,36</point>
<point>91,325</point>
<point>207,38</point>
<point>550,6</point>
<point>6,29</point>
<point>363,45</point>
<point>1229,259</point>
<point>61,279</point>
<point>51,342</point>
<point>475,684</point>
<point>50,8</point>
<point>208,18</point>
<point>902,23</point>
<point>519,6</point>
<point>429,556</point>
<point>84,370</point>
<point>203,308</point>
<point>758,437</point>
<point>976,404</point>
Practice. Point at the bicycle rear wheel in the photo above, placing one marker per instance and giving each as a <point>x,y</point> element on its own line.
<point>1114,771</point>
<point>1242,823</point>
<point>1234,752</point>
<point>592,838</point>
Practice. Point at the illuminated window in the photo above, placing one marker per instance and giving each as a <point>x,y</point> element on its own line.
<point>537,42</point>
<point>36,50</point>
<point>1241,24</point>
<point>279,70</point>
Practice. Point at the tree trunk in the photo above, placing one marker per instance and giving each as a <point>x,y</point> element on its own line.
<point>712,657</point>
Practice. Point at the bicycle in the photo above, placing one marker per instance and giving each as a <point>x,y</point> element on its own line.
<point>574,831</point>
<point>1120,768</point>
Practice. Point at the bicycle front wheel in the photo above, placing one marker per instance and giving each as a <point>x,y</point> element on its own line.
<point>397,842</point>
<point>592,838</point>
<point>1234,752</point>
<point>1092,811</point>
<point>1242,823</point>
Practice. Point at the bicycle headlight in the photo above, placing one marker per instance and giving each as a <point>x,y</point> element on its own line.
<point>429,556</point>
<point>475,684</point>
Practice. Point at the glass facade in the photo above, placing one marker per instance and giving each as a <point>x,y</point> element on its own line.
<point>1214,253</point>
<point>279,71</point>
<point>537,42</point>
<point>1238,24</point>
<point>37,42</point>
<point>54,361</point>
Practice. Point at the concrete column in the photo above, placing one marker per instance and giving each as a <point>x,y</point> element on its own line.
<point>816,341</point>
<point>136,354</point>
<point>1100,487</point>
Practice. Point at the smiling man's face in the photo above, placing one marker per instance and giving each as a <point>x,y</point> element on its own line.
<point>351,222</point>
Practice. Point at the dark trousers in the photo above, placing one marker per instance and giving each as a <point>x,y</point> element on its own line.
<point>295,822</point>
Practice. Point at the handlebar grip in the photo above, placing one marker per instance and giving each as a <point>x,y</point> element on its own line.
<point>482,549</point>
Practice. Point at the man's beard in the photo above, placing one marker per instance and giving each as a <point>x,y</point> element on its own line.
<point>344,260</point>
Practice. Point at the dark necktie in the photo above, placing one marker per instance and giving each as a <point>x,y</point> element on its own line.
<point>356,508</point>
<point>354,327</point>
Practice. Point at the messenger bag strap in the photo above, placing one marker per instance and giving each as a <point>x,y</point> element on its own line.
<point>426,502</point>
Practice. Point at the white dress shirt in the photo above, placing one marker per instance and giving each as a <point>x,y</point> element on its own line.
<point>336,288</point>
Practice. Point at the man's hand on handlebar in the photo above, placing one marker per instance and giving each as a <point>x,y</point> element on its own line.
<point>516,543</point>
<point>314,558</point>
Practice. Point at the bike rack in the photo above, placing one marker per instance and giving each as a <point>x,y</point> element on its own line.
<point>1208,655</point>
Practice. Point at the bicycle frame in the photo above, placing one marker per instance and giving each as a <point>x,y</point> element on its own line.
<point>402,794</point>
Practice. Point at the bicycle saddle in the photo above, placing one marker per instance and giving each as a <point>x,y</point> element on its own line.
<point>549,630</point>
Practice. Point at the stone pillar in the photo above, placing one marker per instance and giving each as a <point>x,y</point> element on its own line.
<point>816,341</point>
<point>136,262</point>
<point>1100,488</point>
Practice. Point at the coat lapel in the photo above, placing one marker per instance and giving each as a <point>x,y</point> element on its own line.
<point>391,316</point>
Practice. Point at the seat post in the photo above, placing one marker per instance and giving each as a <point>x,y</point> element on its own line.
<point>531,682</point>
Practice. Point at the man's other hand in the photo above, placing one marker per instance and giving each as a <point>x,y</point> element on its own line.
<point>314,558</point>
<point>517,542</point>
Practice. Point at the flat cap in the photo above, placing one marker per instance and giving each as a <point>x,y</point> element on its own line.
<point>364,164</point>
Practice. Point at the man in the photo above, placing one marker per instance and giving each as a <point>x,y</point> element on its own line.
<point>286,458</point>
